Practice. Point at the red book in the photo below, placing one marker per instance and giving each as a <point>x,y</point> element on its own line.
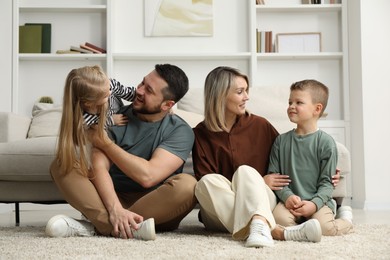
<point>90,45</point>
<point>89,48</point>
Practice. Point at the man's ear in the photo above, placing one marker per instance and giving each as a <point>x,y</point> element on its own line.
<point>167,105</point>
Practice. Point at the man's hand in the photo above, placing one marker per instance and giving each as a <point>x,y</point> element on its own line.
<point>123,221</point>
<point>336,178</point>
<point>276,181</point>
<point>96,140</point>
<point>120,119</point>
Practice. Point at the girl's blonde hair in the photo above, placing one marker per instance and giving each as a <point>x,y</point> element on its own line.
<point>86,84</point>
<point>217,85</point>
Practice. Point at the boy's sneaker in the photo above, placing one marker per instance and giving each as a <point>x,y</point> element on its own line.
<point>145,231</point>
<point>309,231</point>
<point>259,235</point>
<point>345,212</point>
<point>64,226</point>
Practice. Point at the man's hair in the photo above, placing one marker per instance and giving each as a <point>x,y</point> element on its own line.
<point>177,81</point>
<point>217,85</point>
<point>318,91</point>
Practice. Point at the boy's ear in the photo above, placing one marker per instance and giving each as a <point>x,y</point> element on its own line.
<point>319,108</point>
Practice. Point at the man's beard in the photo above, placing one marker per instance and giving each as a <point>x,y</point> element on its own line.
<point>148,111</point>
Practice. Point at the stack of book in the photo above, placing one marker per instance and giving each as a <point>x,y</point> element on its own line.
<point>87,48</point>
<point>35,38</point>
<point>264,41</point>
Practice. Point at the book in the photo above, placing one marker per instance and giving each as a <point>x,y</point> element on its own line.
<point>30,39</point>
<point>90,45</point>
<point>268,38</point>
<point>67,52</point>
<point>74,48</point>
<point>46,36</point>
<point>89,49</point>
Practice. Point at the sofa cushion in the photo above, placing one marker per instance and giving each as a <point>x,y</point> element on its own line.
<point>46,120</point>
<point>27,160</point>
<point>192,101</point>
<point>191,118</point>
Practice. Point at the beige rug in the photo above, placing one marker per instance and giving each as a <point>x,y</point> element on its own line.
<point>191,241</point>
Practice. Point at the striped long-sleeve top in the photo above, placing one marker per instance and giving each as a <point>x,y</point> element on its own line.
<point>118,92</point>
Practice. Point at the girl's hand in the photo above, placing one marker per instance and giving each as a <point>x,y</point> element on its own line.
<point>120,119</point>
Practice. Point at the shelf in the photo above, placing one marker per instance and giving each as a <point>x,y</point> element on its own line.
<point>298,8</point>
<point>300,56</point>
<point>78,9</point>
<point>60,57</point>
<point>181,56</point>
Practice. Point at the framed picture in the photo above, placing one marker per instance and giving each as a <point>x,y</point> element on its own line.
<point>178,18</point>
<point>298,42</point>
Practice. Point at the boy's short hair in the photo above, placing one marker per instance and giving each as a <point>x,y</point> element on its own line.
<point>318,91</point>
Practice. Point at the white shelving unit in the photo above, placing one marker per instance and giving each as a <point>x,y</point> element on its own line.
<point>329,66</point>
<point>73,22</point>
<point>118,27</point>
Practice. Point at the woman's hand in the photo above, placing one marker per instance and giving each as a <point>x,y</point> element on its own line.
<point>336,178</point>
<point>276,181</point>
<point>123,221</point>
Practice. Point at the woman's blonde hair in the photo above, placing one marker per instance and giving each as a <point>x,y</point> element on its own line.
<point>86,84</point>
<point>217,85</point>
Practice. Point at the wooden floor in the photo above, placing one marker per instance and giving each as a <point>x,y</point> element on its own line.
<point>38,215</point>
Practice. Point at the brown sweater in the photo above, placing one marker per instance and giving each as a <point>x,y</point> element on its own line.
<point>248,143</point>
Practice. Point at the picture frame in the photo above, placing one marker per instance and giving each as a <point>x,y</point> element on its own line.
<point>301,42</point>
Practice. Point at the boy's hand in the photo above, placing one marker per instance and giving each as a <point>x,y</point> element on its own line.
<point>307,209</point>
<point>120,119</point>
<point>276,181</point>
<point>293,202</point>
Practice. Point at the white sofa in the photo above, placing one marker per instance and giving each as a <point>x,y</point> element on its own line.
<point>27,145</point>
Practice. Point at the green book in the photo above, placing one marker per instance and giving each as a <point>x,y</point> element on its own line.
<point>30,39</point>
<point>46,36</point>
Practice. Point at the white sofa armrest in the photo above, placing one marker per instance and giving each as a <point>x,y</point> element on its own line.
<point>13,127</point>
<point>344,165</point>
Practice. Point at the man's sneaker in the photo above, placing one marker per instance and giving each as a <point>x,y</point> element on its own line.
<point>145,231</point>
<point>309,231</point>
<point>64,226</point>
<point>259,235</point>
<point>345,212</point>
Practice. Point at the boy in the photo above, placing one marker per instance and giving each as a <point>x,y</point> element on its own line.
<point>309,156</point>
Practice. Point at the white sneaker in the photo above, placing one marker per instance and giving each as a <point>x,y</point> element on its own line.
<point>145,231</point>
<point>64,226</point>
<point>309,231</point>
<point>259,235</point>
<point>345,212</point>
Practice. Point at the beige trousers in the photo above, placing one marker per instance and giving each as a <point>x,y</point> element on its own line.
<point>168,204</point>
<point>329,225</point>
<point>230,206</point>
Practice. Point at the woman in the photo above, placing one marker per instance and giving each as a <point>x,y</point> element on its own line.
<point>230,155</point>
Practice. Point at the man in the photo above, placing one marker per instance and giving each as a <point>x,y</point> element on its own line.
<point>144,180</point>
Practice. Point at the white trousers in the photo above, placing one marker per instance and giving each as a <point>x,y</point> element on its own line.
<point>230,206</point>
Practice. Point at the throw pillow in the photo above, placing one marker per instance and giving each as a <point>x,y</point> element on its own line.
<point>46,120</point>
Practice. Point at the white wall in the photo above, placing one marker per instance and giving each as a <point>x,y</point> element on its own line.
<point>6,55</point>
<point>370,93</point>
